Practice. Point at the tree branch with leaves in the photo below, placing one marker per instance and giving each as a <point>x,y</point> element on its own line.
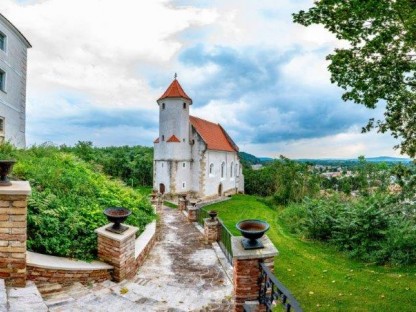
<point>379,65</point>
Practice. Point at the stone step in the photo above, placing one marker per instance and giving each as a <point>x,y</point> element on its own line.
<point>3,296</point>
<point>25,299</point>
<point>49,288</point>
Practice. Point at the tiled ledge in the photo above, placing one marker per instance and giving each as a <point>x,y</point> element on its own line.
<point>60,263</point>
<point>145,238</point>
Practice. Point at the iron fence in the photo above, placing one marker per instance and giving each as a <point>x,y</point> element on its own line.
<point>201,214</point>
<point>272,292</point>
<point>225,242</point>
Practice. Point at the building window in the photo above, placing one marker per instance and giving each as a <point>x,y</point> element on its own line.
<point>2,80</point>
<point>162,164</point>
<point>163,137</point>
<point>1,129</point>
<point>163,105</point>
<point>183,165</point>
<point>231,169</point>
<point>211,169</point>
<point>2,41</point>
<point>184,105</point>
<point>223,170</point>
<point>183,185</point>
<point>237,172</point>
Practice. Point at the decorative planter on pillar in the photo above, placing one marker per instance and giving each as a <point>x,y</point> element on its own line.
<point>246,270</point>
<point>13,228</point>
<point>192,213</point>
<point>211,230</point>
<point>118,250</point>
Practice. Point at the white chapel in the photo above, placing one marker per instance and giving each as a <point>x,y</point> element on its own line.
<point>193,155</point>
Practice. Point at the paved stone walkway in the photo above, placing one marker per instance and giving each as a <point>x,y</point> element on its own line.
<point>181,273</point>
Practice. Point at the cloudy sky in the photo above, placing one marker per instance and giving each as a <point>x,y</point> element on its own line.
<point>97,67</point>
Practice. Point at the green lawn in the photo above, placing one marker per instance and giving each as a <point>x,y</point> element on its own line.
<point>321,278</point>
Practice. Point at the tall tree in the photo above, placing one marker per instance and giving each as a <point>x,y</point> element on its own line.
<point>379,66</point>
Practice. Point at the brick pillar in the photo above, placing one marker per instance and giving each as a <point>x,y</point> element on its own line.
<point>211,230</point>
<point>118,250</point>
<point>13,227</point>
<point>182,204</point>
<point>192,213</point>
<point>246,271</point>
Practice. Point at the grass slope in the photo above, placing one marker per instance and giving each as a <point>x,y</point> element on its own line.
<point>321,278</point>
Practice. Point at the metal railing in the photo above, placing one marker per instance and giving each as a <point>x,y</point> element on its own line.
<point>201,214</point>
<point>272,292</point>
<point>225,242</point>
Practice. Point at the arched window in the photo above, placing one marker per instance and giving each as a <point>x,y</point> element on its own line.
<point>237,174</point>
<point>231,169</point>
<point>211,169</point>
<point>223,170</point>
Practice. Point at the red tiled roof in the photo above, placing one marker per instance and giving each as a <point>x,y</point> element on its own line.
<point>174,139</point>
<point>156,141</point>
<point>213,135</point>
<point>175,91</point>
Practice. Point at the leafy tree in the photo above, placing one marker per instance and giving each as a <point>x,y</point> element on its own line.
<point>379,65</point>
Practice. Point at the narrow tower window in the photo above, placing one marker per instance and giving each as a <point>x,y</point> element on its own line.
<point>163,105</point>
<point>184,105</point>
<point>163,137</point>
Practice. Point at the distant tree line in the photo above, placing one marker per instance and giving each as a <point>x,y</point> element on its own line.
<point>132,164</point>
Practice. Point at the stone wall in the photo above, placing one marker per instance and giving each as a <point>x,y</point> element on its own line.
<point>67,276</point>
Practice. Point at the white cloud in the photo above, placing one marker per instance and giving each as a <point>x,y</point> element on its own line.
<point>94,47</point>
<point>90,55</point>
<point>350,144</point>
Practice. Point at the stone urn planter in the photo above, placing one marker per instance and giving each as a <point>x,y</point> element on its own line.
<point>213,214</point>
<point>252,230</point>
<point>117,215</point>
<point>6,167</point>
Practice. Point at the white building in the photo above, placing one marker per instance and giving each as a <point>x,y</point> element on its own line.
<point>192,155</point>
<point>13,67</point>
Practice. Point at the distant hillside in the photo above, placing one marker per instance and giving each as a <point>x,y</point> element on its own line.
<point>388,159</point>
<point>378,159</point>
<point>247,159</point>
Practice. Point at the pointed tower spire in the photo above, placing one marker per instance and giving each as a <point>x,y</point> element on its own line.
<point>175,91</point>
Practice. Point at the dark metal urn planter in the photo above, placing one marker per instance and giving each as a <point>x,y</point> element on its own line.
<point>212,214</point>
<point>117,215</point>
<point>252,230</point>
<point>6,167</point>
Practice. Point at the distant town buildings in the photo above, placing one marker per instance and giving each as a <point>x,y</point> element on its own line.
<point>257,167</point>
<point>13,68</point>
<point>193,155</point>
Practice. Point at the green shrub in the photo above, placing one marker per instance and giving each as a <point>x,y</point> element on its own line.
<point>67,202</point>
<point>377,228</point>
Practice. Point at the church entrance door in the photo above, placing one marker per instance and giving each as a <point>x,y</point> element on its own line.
<point>162,188</point>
